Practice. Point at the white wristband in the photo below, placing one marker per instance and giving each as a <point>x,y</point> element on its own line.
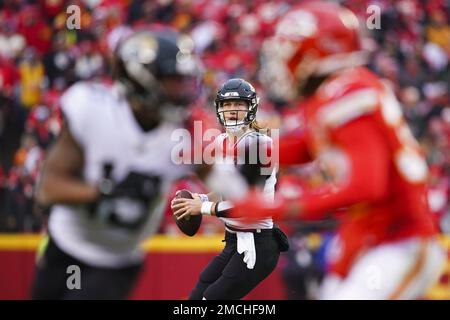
<point>203,197</point>
<point>206,208</point>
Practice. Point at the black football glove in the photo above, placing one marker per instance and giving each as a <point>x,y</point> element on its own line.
<point>126,204</point>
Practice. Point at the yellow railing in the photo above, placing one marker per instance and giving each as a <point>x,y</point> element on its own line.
<point>158,243</point>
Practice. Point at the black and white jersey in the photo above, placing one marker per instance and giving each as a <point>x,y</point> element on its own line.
<point>269,187</point>
<point>102,123</point>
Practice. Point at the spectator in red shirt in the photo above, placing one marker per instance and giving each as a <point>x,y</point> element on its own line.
<point>35,29</point>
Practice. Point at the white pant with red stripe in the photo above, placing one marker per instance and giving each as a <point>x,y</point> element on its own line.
<point>399,270</point>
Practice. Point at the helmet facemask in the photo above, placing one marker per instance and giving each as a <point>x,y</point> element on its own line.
<point>236,118</point>
<point>281,82</point>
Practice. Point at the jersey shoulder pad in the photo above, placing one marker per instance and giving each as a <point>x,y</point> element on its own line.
<point>261,138</point>
<point>348,96</point>
<point>80,105</point>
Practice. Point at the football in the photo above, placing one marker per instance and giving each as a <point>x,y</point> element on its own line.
<point>190,225</point>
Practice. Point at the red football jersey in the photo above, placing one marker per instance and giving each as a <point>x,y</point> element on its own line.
<point>354,126</point>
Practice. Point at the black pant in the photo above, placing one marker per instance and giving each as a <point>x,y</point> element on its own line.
<point>96,283</point>
<point>227,277</point>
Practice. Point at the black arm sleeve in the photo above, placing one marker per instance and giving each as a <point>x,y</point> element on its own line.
<point>223,209</point>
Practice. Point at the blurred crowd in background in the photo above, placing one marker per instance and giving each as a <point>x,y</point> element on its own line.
<point>40,57</point>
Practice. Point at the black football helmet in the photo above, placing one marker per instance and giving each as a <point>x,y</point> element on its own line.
<point>147,56</point>
<point>237,89</point>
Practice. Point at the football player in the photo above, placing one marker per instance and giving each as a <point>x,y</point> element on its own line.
<point>251,252</point>
<point>385,246</point>
<point>106,173</point>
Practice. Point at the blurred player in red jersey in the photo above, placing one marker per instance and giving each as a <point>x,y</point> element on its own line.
<point>385,246</point>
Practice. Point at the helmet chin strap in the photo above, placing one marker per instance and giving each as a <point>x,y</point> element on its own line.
<point>237,130</point>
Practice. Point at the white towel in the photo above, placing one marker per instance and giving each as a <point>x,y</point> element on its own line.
<point>246,245</point>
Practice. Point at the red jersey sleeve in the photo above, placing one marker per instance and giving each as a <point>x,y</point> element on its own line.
<point>365,182</point>
<point>292,149</point>
<point>368,174</point>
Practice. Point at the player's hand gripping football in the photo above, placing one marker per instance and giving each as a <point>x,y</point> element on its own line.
<point>184,207</point>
